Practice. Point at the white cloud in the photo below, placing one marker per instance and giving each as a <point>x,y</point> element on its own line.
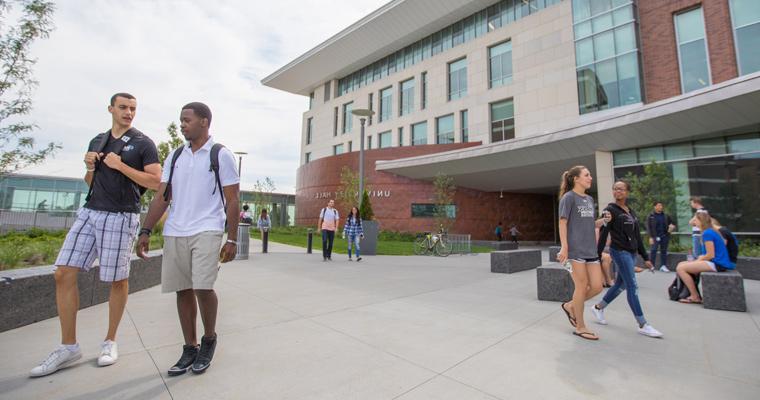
<point>168,53</point>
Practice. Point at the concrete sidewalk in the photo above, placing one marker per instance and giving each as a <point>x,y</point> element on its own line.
<point>294,327</point>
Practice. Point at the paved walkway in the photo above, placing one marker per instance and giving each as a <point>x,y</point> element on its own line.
<point>294,327</point>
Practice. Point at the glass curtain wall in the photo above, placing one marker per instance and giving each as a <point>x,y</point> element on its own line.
<point>606,53</point>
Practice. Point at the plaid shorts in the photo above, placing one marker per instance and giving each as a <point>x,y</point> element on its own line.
<point>106,235</point>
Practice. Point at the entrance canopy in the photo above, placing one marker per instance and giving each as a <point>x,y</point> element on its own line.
<point>534,163</point>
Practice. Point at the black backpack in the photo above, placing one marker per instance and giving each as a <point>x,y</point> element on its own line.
<point>678,290</point>
<point>732,245</point>
<point>123,140</point>
<point>214,155</point>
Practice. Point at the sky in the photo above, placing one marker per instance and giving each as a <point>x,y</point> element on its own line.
<point>171,52</point>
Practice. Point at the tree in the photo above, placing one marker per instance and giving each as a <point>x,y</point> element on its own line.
<point>164,149</point>
<point>262,194</point>
<point>655,184</point>
<point>444,191</point>
<point>365,210</point>
<point>35,21</point>
<point>348,194</point>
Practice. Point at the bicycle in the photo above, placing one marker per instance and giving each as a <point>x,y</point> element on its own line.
<point>428,243</point>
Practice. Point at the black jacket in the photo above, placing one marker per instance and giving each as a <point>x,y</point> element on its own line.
<point>652,225</point>
<point>624,230</point>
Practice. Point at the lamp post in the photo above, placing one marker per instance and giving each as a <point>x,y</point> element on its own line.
<point>362,113</point>
<point>240,161</point>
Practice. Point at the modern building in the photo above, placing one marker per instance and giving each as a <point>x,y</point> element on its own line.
<point>50,202</point>
<point>505,95</point>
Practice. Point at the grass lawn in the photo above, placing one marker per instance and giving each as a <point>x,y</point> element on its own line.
<point>392,244</point>
<point>39,247</point>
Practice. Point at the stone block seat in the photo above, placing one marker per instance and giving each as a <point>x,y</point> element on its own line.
<point>554,283</point>
<point>723,291</point>
<point>553,251</point>
<point>511,261</point>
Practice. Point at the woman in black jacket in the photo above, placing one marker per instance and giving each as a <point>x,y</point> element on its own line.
<point>626,241</point>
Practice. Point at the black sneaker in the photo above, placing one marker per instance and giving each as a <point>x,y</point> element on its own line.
<point>329,258</point>
<point>206,353</point>
<point>358,258</point>
<point>189,354</point>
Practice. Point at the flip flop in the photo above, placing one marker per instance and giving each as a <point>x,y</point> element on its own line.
<point>586,335</point>
<point>689,301</point>
<point>569,317</point>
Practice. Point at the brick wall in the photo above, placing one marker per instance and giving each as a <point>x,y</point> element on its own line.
<point>658,44</point>
<point>477,211</point>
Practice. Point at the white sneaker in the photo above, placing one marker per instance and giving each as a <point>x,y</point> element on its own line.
<point>58,359</point>
<point>648,330</point>
<point>664,269</point>
<point>599,315</point>
<point>109,353</point>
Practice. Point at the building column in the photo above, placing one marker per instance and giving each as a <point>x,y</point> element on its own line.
<point>604,177</point>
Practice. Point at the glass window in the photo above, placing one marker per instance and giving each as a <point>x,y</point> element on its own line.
<point>745,17</point>
<point>371,107</point>
<point>400,136</point>
<point>457,34</point>
<point>709,147</point>
<point>369,142</point>
<point>500,64</point>
<point>386,97</point>
<point>423,91</point>
<point>744,144</point>
<point>624,157</point>
<point>502,121</point>
<point>311,100</point>
<point>350,146</point>
<point>463,121</point>
<point>625,39</point>
<point>347,117</point>
<point>419,133</point>
<point>692,50</point>
<point>649,154</point>
<point>494,17</point>
<point>406,89</point>
<point>444,129</point>
<point>307,158</point>
<point>335,122</point>
<point>458,79</point>
<point>308,131</point>
<point>604,45</point>
<point>327,91</point>
<point>384,140</point>
<point>584,52</point>
<point>428,210</point>
<point>338,149</point>
<point>628,79</point>
<point>678,151</point>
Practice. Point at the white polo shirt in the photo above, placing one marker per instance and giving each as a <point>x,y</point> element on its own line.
<point>194,208</point>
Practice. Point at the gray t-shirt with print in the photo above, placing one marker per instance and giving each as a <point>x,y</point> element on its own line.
<point>581,236</point>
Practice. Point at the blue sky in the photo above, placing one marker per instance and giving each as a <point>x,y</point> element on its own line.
<point>170,52</point>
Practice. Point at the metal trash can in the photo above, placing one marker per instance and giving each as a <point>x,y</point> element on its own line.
<point>244,241</point>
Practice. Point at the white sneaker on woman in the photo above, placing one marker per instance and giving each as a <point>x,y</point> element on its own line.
<point>648,330</point>
<point>60,358</point>
<point>599,315</point>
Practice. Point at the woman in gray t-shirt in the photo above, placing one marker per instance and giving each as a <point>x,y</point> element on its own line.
<point>578,238</point>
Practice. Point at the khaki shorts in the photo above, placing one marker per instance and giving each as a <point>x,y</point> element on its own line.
<point>190,262</point>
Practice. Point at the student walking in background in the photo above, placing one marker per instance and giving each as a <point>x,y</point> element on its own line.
<point>624,230</point>
<point>329,222</point>
<point>353,231</point>
<point>578,239</point>
<point>499,232</point>
<point>514,232</point>
<point>659,226</point>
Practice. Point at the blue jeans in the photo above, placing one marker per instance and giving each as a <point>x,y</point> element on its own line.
<point>355,240</point>
<point>626,280</point>
<point>663,246</point>
<point>327,243</point>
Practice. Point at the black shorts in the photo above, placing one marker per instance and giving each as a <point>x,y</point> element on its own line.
<point>594,260</point>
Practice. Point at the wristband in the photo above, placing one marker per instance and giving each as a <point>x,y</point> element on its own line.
<point>145,231</point>
<point>232,241</point>
<point>90,169</point>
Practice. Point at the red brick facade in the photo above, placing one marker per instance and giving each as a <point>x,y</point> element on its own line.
<point>658,44</point>
<point>477,212</point>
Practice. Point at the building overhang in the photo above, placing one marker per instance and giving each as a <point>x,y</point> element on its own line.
<point>534,163</point>
<point>387,29</point>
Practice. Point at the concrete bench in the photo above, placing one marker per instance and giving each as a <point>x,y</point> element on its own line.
<point>495,244</point>
<point>511,261</point>
<point>554,283</point>
<point>553,251</point>
<point>723,291</point>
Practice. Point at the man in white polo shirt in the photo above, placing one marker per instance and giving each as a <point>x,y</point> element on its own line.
<point>194,231</point>
<point>328,225</point>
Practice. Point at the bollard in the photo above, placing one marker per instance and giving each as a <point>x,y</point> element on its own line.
<point>309,239</point>
<point>265,239</point>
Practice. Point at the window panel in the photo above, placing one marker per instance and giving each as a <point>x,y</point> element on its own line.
<point>444,127</point>
<point>650,154</point>
<point>606,73</point>
<point>407,97</point>
<point>384,140</point>
<point>743,144</point>
<point>748,48</point>
<point>463,117</point>
<point>348,120</point>
<point>601,23</point>
<point>604,45</point>
<point>709,147</point>
<point>622,15</point>
<point>502,121</point>
<point>419,133</point>
<point>500,64</point>
<point>584,52</point>
<point>628,79</point>
<point>625,39</point>
<point>386,97</point>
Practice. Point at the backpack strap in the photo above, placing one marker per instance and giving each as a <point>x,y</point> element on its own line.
<point>168,191</point>
<point>215,167</point>
<point>119,146</point>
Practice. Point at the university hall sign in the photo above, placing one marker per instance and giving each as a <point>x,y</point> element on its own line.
<point>371,193</point>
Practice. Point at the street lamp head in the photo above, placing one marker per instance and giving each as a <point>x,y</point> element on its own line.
<point>363,112</point>
<point>240,153</point>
